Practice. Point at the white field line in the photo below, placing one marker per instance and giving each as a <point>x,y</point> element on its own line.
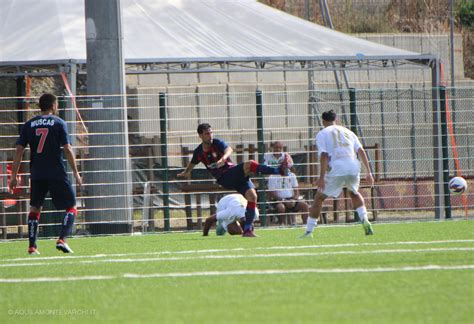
<point>237,272</point>
<point>208,251</point>
<point>236,256</point>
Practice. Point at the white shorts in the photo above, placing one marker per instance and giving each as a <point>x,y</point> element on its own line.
<point>334,185</point>
<point>229,215</point>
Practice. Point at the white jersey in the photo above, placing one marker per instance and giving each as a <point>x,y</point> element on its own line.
<point>231,208</point>
<point>341,145</point>
<point>271,160</point>
<point>283,186</point>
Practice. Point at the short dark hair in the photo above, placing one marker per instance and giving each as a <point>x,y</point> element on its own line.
<point>329,115</point>
<point>47,101</point>
<point>203,127</point>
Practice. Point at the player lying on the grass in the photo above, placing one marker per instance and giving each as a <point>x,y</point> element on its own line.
<point>48,139</point>
<point>215,154</point>
<point>338,149</point>
<point>230,213</point>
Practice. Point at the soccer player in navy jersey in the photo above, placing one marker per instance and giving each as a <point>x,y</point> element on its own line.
<point>48,138</point>
<point>215,155</point>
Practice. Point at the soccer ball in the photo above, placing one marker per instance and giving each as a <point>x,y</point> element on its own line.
<point>457,185</point>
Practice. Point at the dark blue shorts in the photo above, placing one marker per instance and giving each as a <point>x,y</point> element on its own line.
<point>61,192</point>
<point>235,179</point>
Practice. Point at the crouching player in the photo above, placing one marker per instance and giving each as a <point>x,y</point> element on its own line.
<point>230,213</point>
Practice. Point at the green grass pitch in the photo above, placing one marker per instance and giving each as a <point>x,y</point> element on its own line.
<point>420,272</point>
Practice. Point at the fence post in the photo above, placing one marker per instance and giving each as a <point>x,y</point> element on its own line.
<point>261,152</point>
<point>413,144</point>
<point>164,161</point>
<point>384,136</point>
<point>353,119</point>
<point>353,109</point>
<point>445,157</point>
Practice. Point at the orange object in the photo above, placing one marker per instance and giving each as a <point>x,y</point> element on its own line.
<point>449,121</point>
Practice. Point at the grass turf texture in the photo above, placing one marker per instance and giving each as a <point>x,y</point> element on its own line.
<point>229,279</point>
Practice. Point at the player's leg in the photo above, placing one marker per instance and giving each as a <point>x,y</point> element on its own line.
<point>253,167</point>
<point>63,197</point>
<point>251,196</point>
<point>33,223</point>
<point>314,213</point>
<point>359,206</point>
<point>333,188</point>
<point>39,189</point>
<point>236,179</point>
<point>358,203</point>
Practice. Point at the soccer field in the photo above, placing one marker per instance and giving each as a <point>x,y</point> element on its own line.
<point>405,273</point>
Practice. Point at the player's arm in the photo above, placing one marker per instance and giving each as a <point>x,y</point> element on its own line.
<point>68,151</point>
<point>365,161</point>
<point>227,152</point>
<point>16,166</point>
<point>187,172</point>
<point>208,223</point>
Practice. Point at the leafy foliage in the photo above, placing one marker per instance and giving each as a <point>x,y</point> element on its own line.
<point>466,13</point>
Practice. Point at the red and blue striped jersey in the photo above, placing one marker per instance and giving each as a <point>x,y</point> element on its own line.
<point>211,156</point>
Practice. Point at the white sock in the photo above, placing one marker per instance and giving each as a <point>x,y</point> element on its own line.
<point>311,224</point>
<point>362,212</point>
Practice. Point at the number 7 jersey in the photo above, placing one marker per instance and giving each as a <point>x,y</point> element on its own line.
<point>46,135</point>
<point>341,145</point>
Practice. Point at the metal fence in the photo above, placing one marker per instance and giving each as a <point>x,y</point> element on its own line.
<point>129,157</point>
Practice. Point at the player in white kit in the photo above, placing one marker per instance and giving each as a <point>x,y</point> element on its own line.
<point>230,210</point>
<point>338,149</point>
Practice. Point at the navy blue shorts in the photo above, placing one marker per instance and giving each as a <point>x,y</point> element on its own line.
<point>234,178</point>
<point>61,192</point>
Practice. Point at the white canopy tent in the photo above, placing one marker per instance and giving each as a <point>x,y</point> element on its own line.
<point>223,33</point>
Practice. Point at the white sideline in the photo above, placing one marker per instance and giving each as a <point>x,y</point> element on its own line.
<point>237,272</point>
<point>291,247</point>
<point>235,256</point>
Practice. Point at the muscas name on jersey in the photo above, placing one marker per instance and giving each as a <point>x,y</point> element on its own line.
<point>42,122</point>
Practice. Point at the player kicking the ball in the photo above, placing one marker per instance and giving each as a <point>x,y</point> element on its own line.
<point>48,138</point>
<point>338,148</point>
<point>215,154</point>
<point>230,213</point>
